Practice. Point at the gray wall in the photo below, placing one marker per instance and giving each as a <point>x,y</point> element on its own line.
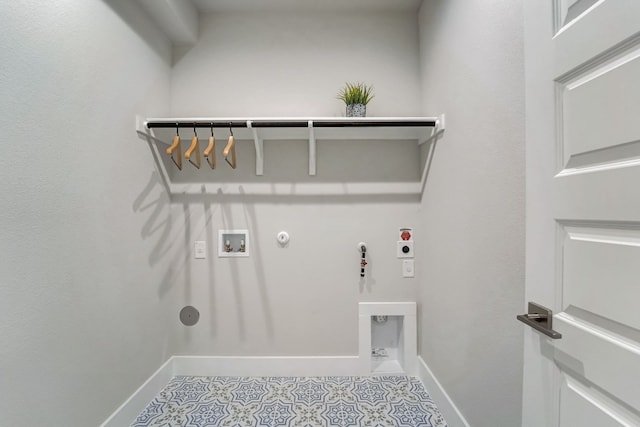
<point>97,260</point>
<point>82,320</point>
<point>299,300</point>
<point>472,257</point>
<point>293,63</point>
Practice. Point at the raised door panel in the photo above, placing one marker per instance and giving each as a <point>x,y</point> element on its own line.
<point>584,95</point>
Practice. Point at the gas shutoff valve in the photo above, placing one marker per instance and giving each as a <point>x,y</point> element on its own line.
<point>363,262</point>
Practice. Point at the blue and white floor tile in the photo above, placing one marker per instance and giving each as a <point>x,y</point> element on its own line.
<point>292,402</point>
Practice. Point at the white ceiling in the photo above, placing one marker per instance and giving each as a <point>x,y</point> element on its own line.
<point>305,5</point>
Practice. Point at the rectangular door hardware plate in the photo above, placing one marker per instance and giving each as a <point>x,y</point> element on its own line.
<point>539,318</point>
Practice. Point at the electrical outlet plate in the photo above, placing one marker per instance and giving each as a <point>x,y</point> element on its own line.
<point>200,249</point>
<point>405,249</point>
<point>408,268</point>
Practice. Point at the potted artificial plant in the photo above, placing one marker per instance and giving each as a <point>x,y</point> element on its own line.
<point>356,96</point>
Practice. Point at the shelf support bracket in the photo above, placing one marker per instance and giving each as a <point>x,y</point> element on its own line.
<point>312,149</point>
<point>435,131</point>
<point>259,144</point>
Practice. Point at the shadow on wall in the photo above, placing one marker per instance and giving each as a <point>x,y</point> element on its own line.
<point>427,152</point>
<point>154,223</point>
<point>138,21</point>
<point>173,221</point>
<point>293,199</point>
<point>360,171</point>
<point>355,161</point>
<point>169,246</point>
<point>210,236</point>
<point>227,223</point>
<point>287,161</point>
<point>157,226</point>
<point>250,219</point>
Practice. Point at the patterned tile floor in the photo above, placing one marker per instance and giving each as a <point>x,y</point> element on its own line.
<point>292,402</point>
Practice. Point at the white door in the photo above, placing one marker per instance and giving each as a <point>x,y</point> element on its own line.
<point>583,212</point>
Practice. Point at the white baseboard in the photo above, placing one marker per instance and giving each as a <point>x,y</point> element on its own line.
<point>449,410</point>
<point>135,404</point>
<point>229,366</point>
<point>266,366</point>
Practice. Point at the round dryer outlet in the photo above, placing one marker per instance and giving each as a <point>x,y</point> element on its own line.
<point>189,315</point>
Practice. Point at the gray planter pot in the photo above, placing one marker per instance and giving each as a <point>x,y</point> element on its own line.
<point>356,110</point>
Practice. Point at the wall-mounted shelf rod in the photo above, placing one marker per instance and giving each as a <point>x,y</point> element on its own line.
<point>373,123</point>
<point>293,123</point>
<point>182,123</point>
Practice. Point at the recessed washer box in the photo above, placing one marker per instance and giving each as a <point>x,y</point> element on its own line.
<point>233,243</point>
<point>390,346</point>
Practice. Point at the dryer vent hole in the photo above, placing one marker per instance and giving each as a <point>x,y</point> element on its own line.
<point>189,315</point>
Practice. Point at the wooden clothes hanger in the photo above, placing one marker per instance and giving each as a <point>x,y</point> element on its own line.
<point>175,150</point>
<point>210,151</point>
<point>195,146</point>
<point>231,147</point>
